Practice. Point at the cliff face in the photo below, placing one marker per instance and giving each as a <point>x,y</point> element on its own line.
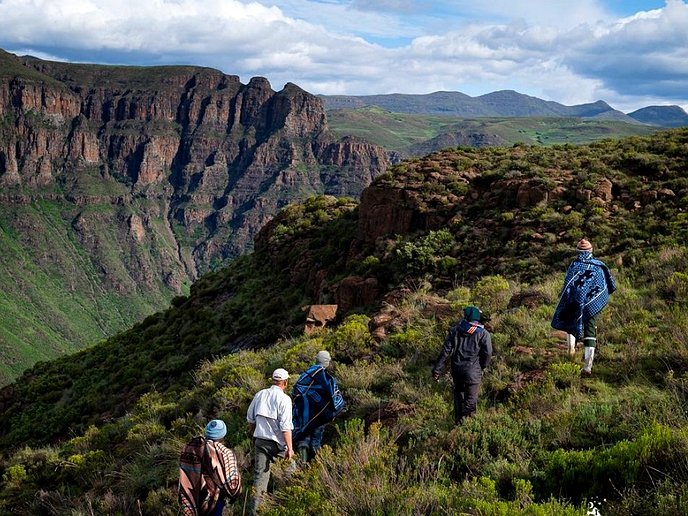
<point>156,175</point>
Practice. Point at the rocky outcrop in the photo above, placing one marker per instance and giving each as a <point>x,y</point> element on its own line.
<point>223,155</point>
<point>160,174</point>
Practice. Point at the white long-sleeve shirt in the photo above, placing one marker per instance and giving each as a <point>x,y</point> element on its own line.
<point>270,411</point>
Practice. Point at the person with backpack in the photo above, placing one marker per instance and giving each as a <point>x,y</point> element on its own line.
<point>208,473</point>
<point>469,345</point>
<point>269,416</point>
<point>587,285</point>
<point>317,400</point>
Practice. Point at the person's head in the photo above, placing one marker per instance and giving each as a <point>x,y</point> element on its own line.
<point>584,246</point>
<point>323,358</point>
<point>280,377</point>
<point>471,313</point>
<point>216,430</point>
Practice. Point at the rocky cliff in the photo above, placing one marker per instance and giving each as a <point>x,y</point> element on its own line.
<point>141,179</point>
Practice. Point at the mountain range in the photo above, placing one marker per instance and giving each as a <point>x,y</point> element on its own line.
<point>505,103</point>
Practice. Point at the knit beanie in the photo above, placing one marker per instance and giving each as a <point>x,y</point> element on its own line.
<point>471,313</point>
<point>323,358</point>
<point>216,429</point>
<point>583,246</point>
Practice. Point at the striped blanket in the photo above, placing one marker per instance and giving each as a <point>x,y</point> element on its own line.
<point>586,290</point>
<point>208,472</point>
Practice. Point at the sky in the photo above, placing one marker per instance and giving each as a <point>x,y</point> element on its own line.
<point>629,53</point>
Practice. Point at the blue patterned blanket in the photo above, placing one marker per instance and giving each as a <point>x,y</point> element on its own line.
<point>316,399</point>
<point>587,286</point>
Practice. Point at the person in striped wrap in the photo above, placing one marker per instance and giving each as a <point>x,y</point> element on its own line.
<point>587,286</point>
<point>208,473</point>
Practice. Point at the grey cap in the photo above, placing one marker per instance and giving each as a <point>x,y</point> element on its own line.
<point>323,358</point>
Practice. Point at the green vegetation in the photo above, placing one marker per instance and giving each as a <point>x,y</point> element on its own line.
<point>545,446</point>
<point>55,300</point>
<point>417,135</point>
<point>99,432</point>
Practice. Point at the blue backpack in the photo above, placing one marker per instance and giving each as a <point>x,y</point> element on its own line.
<point>316,400</point>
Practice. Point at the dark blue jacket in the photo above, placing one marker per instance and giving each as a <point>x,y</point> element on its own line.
<point>470,347</point>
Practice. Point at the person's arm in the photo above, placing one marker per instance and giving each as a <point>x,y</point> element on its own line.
<point>228,475</point>
<point>485,350</point>
<point>290,448</point>
<point>442,358</point>
<point>286,424</point>
<point>252,429</point>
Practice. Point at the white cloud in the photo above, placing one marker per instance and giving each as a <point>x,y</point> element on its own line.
<point>572,51</point>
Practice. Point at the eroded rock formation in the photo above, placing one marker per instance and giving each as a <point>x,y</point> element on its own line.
<point>156,175</point>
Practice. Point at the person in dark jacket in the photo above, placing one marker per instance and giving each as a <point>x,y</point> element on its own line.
<point>470,347</point>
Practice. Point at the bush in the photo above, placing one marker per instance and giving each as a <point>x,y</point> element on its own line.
<point>351,339</point>
<point>491,294</point>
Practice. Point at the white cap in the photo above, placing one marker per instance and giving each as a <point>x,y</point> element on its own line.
<point>280,374</point>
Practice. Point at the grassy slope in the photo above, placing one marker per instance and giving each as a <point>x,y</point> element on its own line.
<point>540,429</point>
<point>398,131</point>
<point>52,293</point>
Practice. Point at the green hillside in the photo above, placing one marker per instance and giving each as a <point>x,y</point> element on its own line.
<point>99,432</point>
<point>53,297</point>
<point>418,135</point>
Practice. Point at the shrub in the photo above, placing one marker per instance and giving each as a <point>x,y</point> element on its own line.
<point>351,339</point>
<point>491,294</point>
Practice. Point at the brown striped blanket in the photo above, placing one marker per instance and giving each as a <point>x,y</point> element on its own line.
<point>208,472</point>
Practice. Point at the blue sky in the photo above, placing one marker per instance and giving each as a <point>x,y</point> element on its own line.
<point>629,53</point>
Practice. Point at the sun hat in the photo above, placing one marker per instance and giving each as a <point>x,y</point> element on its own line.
<point>280,374</point>
<point>323,358</point>
<point>216,429</point>
<point>583,246</point>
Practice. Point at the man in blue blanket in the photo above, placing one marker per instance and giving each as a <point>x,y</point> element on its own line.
<point>586,290</point>
<point>317,400</point>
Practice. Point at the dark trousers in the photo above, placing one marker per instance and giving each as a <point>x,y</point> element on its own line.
<point>465,399</point>
<point>590,332</point>
<point>266,452</point>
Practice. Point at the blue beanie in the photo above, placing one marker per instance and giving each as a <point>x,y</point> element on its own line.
<point>471,313</point>
<point>216,429</point>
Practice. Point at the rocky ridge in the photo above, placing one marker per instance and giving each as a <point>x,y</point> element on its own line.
<point>158,174</point>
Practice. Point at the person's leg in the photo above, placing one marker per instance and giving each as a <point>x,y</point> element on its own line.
<point>458,400</point>
<point>302,448</point>
<point>589,341</point>
<point>316,439</point>
<point>219,508</point>
<point>265,455</point>
<point>470,402</point>
<point>590,331</point>
<point>571,342</point>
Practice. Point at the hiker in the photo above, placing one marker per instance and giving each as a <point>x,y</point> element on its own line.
<point>208,473</point>
<point>269,416</point>
<point>470,347</point>
<point>317,400</point>
<point>585,293</point>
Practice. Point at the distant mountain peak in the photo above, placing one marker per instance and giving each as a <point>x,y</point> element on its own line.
<point>502,103</point>
<point>664,116</point>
